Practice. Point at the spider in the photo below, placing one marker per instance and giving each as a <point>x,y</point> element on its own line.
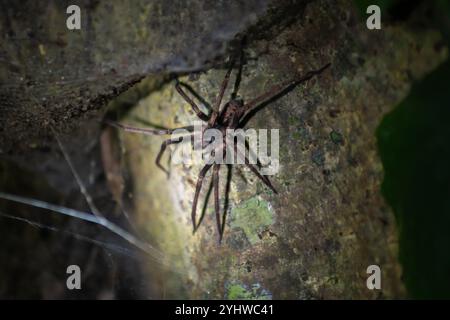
<point>233,115</point>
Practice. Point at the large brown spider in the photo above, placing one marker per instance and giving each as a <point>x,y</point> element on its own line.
<point>233,115</point>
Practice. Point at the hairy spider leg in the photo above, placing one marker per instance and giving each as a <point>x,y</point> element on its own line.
<point>216,200</point>
<point>196,109</point>
<point>149,131</point>
<point>237,82</point>
<point>256,172</point>
<point>252,154</point>
<point>191,91</point>
<point>280,88</point>
<point>146,131</point>
<point>262,177</point>
<point>198,187</point>
<point>223,87</point>
<point>216,110</point>
<point>163,148</point>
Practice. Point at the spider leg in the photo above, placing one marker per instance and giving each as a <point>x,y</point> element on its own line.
<point>237,82</point>
<point>223,87</point>
<point>163,148</point>
<point>263,178</point>
<point>216,111</point>
<point>216,200</point>
<point>146,131</point>
<point>252,154</point>
<point>198,187</point>
<point>196,109</point>
<point>282,87</point>
<point>200,99</point>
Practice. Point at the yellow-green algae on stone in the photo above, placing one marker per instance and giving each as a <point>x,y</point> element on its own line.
<point>252,216</point>
<point>239,291</point>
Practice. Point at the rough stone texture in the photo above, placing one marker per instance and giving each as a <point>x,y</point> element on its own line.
<point>329,222</point>
<point>50,75</point>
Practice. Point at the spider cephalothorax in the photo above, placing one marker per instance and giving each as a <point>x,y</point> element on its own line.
<point>232,115</point>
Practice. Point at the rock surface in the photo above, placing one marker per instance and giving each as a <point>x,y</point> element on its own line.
<point>329,222</point>
<point>50,75</point>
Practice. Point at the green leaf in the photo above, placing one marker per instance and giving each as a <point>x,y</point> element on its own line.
<point>414,145</point>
